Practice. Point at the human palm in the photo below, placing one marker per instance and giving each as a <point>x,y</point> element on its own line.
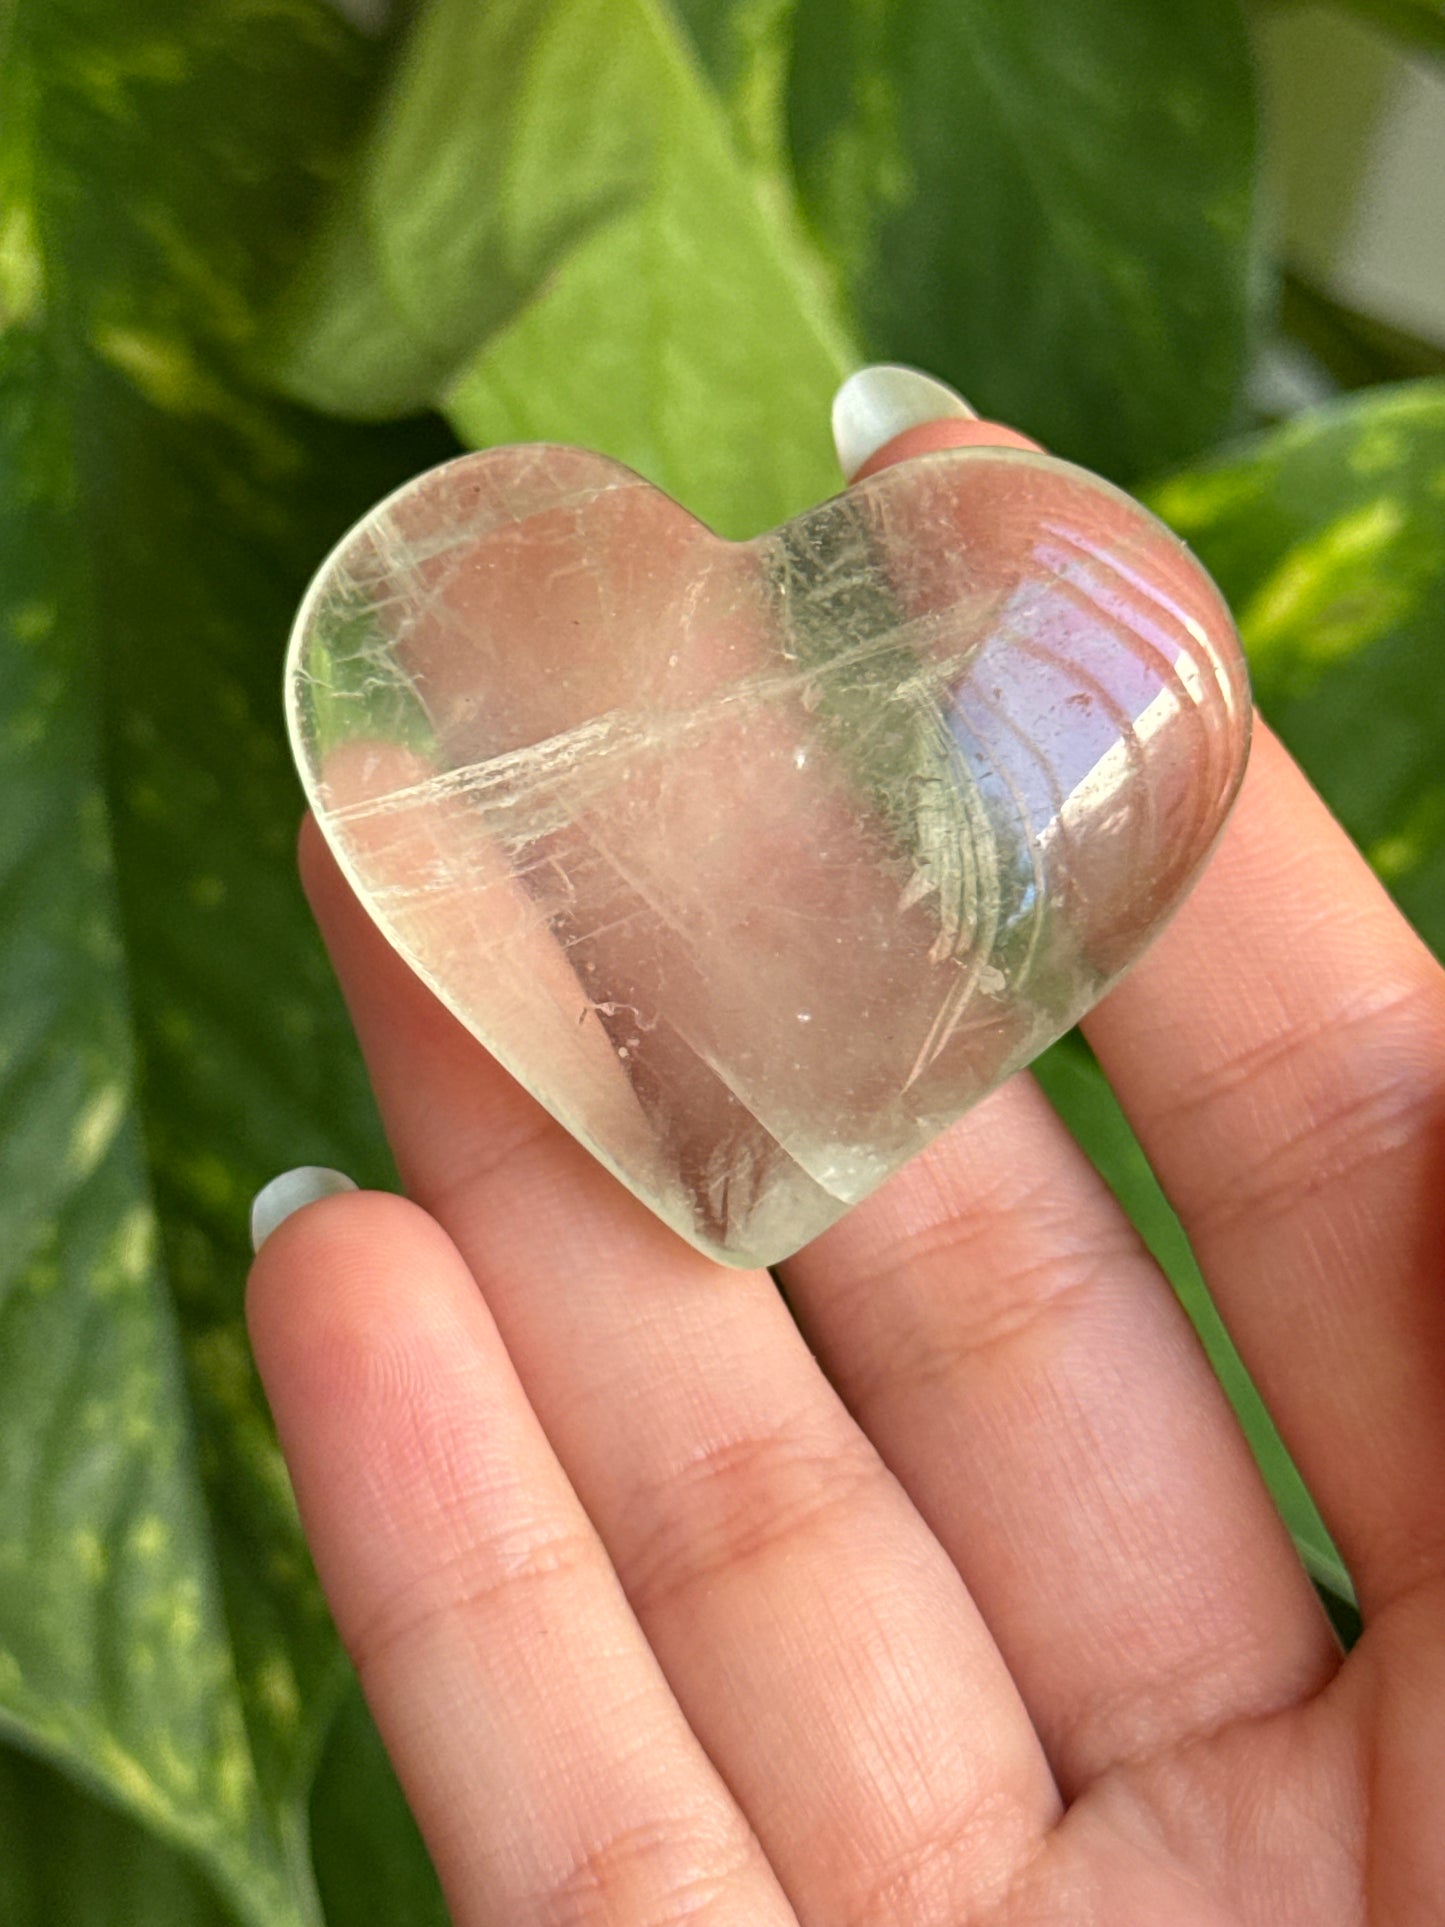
<point>940,1587</point>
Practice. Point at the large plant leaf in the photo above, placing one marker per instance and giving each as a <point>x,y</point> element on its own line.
<point>68,1861</point>
<point>168,1034</point>
<point>552,237</point>
<point>1326,537</point>
<point>1046,201</point>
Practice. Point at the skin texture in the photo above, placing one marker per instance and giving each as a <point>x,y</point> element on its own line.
<point>943,1590</point>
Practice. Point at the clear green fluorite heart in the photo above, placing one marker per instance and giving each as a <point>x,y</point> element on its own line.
<point>761,862</point>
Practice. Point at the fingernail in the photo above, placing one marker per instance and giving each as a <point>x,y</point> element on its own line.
<point>878,403</point>
<point>277,1200</point>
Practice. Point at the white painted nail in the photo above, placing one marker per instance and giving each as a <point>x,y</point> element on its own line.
<point>277,1200</point>
<point>880,402</point>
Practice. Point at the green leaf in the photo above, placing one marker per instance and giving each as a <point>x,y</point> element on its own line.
<point>169,1036</point>
<point>70,1860</point>
<point>1047,202</point>
<point>1326,537</point>
<point>1080,1093</point>
<point>477,186</point>
<point>552,237</point>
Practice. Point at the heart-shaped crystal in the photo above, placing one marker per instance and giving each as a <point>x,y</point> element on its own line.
<point>761,862</point>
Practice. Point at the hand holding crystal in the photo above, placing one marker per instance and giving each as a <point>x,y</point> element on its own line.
<point>940,1585</point>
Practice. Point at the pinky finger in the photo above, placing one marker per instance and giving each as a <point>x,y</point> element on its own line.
<point>543,1754</point>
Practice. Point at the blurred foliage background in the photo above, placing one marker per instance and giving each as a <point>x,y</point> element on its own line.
<point>260,260</point>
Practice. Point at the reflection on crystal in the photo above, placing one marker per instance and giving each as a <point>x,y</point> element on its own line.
<point>761,862</point>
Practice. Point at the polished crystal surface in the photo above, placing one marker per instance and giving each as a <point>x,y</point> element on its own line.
<point>761,862</point>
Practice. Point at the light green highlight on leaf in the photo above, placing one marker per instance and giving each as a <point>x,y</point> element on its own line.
<point>1377,451</point>
<point>32,621</point>
<point>1326,535</point>
<point>150,1537</point>
<point>126,1264</point>
<point>1417,841</point>
<point>163,368</point>
<point>90,1555</point>
<point>22,273</point>
<point>275,1683</point>
<point>1307,598</point>
<point>94,1130</point>
<point>169,373</point>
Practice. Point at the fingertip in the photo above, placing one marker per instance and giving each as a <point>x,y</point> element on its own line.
<point>338,1260</point>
